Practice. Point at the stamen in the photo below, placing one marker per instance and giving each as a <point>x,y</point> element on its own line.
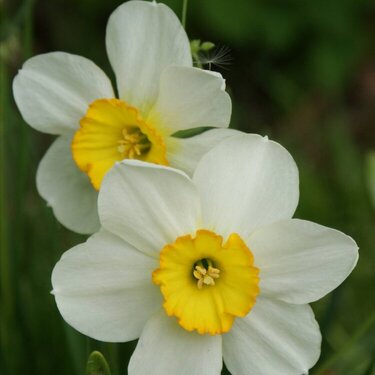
<point>205,276</point>
<point>133,144</point>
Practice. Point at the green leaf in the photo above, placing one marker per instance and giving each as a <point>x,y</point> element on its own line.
<point>190,132</point>
<point>97,365</point>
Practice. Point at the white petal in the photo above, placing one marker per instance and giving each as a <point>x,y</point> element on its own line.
<point>103,288</point>
<point>53,91</point>
<point>190,98</point>
<point>274,338</point>
<point>185,153</point>
<point>148,205</point>
<point>245,182</point>
<point>142,39</point>
<point>166,348</point>
<point>300,261</point>
<point>67,190</point>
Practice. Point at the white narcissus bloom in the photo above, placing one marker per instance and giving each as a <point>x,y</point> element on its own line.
<point>160,93</point>
<point>205,268</point>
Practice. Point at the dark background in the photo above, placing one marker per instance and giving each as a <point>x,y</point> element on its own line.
<point>301,72</point>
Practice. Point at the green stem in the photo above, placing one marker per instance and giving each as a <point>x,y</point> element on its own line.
<point>28,29</point>
<point>357,335</point>
<point>23,155</point>
<point>184,13</point>
<point>113,357</point>
<point>6,295</point>
<point>6,288</point>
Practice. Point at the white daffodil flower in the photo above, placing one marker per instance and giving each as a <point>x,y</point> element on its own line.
<point>160,93</point>
<point>205,268</point>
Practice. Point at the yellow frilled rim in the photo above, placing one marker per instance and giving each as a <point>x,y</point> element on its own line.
<point>206,283</point>
<point>112,131</point>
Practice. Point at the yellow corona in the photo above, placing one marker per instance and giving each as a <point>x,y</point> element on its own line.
<point>112,131</point>
<point>206,283</point>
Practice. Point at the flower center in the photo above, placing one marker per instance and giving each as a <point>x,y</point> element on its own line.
<point>133,143</point>
<point>205,273</point>
<point>112,131</point>
<point>206,283</point>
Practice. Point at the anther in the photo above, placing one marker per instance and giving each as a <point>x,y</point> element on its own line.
<point>133,143</point>
<point>205,276</point>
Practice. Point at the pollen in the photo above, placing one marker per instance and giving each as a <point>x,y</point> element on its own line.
<point>205,276</point>
<point>207,282</point>
<point>112,131</point>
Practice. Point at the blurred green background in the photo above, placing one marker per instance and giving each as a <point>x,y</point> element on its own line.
<point>301,72</point>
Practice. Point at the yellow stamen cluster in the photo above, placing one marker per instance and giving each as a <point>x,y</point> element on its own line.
<point>133,143</point>
<point>205,276</point>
